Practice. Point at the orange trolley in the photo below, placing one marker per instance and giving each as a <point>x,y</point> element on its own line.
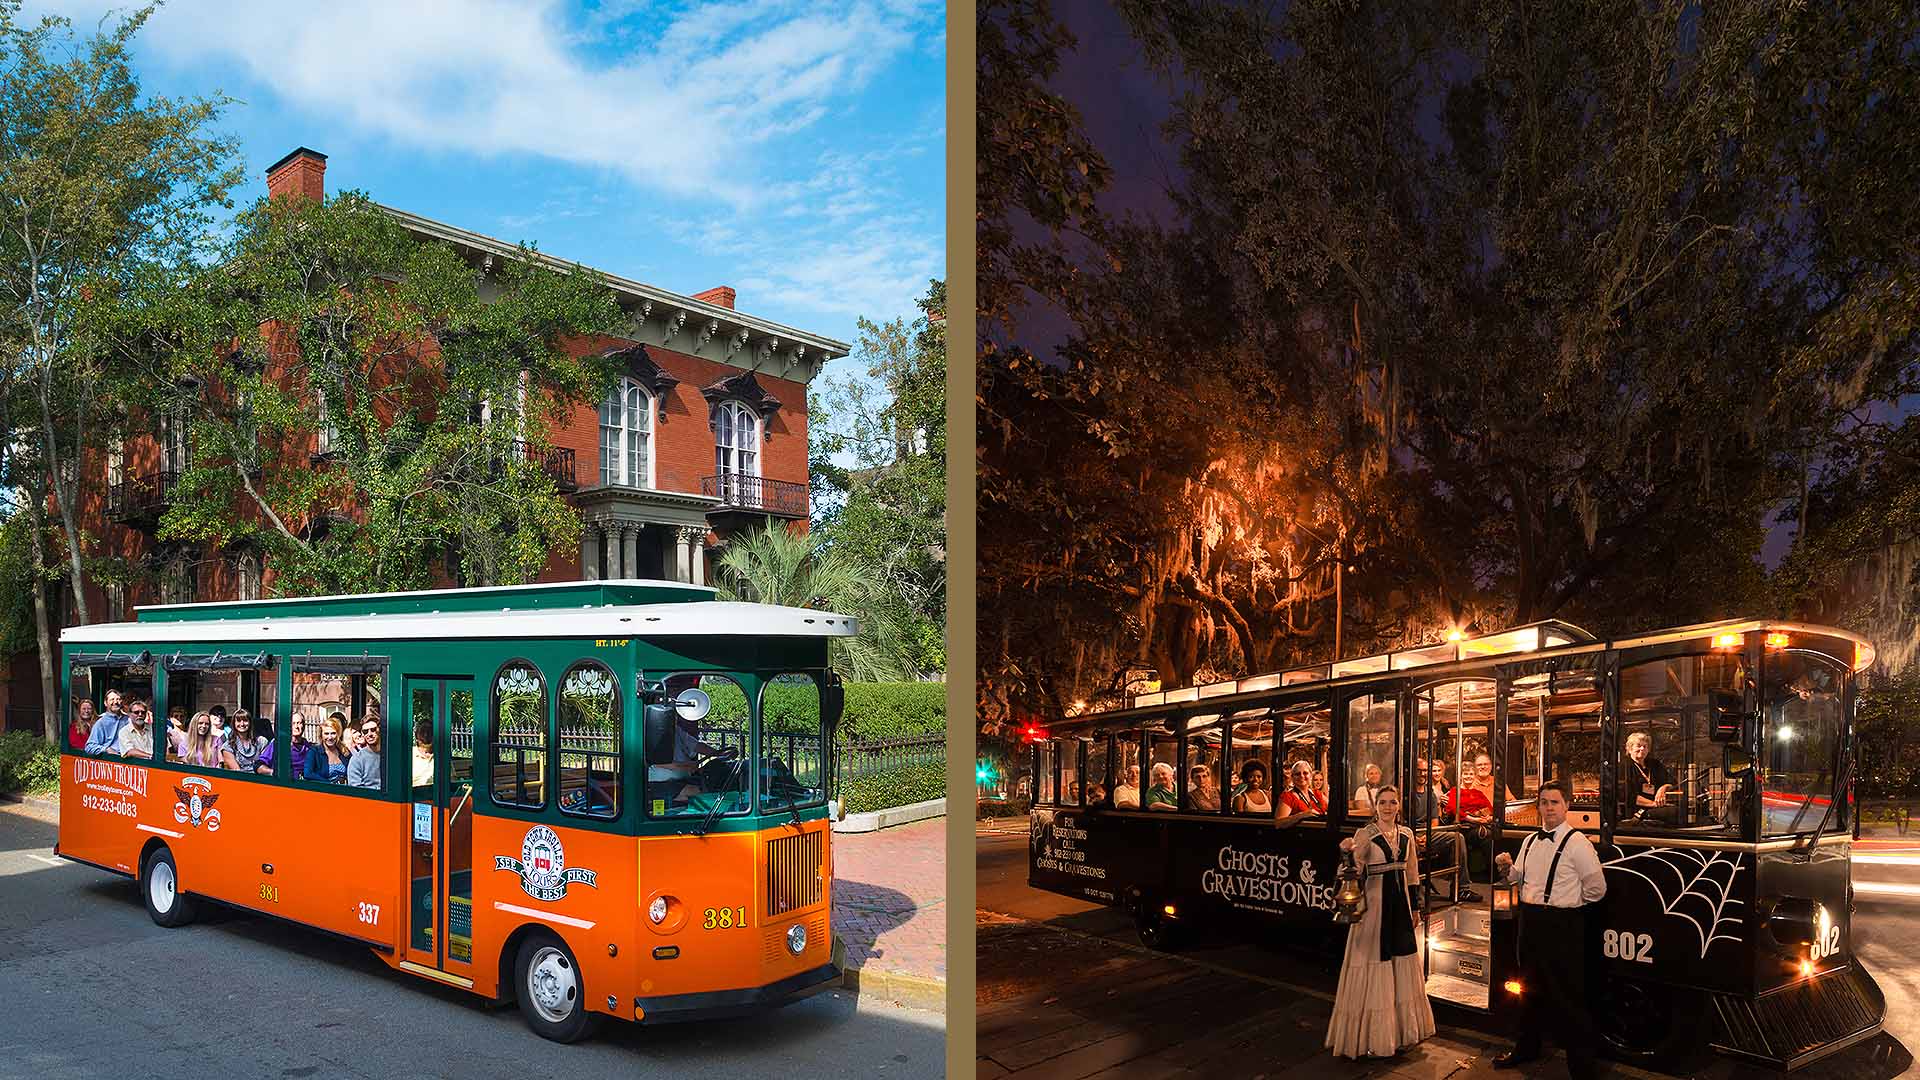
<point>597,798</point>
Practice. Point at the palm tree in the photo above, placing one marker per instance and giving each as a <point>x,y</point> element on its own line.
<point>775,565</point>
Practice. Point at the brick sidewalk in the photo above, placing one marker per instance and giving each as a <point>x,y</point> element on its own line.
<point>890,908</point>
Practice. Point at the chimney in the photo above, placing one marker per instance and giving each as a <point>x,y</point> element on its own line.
<point>719,294</point>
<point>301,174</point>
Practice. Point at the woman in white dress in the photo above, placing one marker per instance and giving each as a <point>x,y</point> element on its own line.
<point>1381,1006</point>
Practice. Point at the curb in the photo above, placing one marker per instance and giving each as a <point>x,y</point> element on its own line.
<point>38,802</point>
<point>875,820</point>
<point>907,991</point>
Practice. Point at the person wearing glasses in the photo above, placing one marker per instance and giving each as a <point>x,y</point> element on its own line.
<point>136,739</point>
<point>363,768</point>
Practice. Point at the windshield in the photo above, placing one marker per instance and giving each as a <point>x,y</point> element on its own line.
<point>793,742</point>
<point>1801,754</point>
<point>699,770</point>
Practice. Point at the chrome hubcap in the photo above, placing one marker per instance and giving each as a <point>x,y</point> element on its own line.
<point>552,985</point>
<point>160,887</point>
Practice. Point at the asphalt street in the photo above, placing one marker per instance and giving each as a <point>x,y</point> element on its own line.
<point>93,988</point>
<point>1066,991</point>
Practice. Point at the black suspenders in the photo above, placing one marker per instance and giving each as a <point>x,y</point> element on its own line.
<point>1554,867</point>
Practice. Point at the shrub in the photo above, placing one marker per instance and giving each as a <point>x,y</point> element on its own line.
<point>896,787</point>
<point>874,710</point>
<point>993,808</point>
<point>28,763</point>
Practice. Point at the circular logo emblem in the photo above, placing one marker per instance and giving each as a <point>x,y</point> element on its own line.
<point>180,812</point>
<point>543,859</point>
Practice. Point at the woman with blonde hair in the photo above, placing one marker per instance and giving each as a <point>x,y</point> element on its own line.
<point>1381,1007</point>
<point>327,762</point>
<point>197,745</point>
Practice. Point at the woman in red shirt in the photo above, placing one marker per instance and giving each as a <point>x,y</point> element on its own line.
<point>1301,797</point>
<point>82,727</point>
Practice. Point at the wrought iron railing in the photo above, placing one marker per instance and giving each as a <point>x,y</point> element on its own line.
<point>142,496</point>
<point>783,497</point>
<point>556,460</point>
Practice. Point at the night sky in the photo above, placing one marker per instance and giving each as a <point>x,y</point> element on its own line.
<point>1124,106</point>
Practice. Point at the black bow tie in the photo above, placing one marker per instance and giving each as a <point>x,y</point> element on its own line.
<point>1545,834</point>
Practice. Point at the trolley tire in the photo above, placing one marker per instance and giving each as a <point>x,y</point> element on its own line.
<point>1644,1023</point>
<point>552,995</point>
<point>1156,931</point>
<point>160,890</point>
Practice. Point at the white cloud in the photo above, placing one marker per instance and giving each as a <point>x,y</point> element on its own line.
<point>677,113</point>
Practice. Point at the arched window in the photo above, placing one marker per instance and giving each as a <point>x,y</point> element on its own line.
<point>590,741</point>
<point>626,432</point>
<point>521,736</point>
<point>736,446</point>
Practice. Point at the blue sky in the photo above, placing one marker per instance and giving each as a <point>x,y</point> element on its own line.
<point>793,150</point>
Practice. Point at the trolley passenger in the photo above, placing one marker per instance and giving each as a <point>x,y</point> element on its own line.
<point>327,762</point>
<point>1302,797</point>
<point>1648,783</point>
<point>243,748</point>
<point>1160,795</point>
<point>82,726</point>
<point>1126,795</point>
<point>1424,809</point>
<point>136,739</point>
<point>1201,792</point>
<point>1253,797</point>
<point>106,730</point>
<point>198,745</point>
<point>1362,800</point>
<point>1381,1005</point>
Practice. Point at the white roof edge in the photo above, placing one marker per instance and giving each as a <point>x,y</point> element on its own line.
<point>701,618</point>
<point>469,590</point>
<point>627,285</point>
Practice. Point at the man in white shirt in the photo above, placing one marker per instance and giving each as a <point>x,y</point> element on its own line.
<point>136,738</point>
<point>1369,783</point>
<point>1559,875</point>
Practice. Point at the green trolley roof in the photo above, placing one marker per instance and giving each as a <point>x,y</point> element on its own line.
<point>549,596</point>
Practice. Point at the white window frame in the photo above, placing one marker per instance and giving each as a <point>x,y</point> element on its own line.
<point>176,447</point>
<point>325,432</point>
<point>618,415</point>
<point>734,419</point>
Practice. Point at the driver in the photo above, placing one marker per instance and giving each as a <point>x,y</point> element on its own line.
<point>688,749</point>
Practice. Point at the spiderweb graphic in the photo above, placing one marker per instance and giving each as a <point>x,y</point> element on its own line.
<point>1693,885</point>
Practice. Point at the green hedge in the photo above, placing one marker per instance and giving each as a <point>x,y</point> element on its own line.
<point>28,763</point>
<point>897,787</point>
<point>874,710</point>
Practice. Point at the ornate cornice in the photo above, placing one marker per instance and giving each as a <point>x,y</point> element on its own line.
<point>745,389</point>
<point>641,367</point>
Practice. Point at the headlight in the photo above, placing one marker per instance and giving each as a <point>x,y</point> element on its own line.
<point>796,939</point>
<point>657,911</point>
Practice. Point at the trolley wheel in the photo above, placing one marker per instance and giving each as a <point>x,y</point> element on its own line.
<point>1156,930</point>
<point>1646,1023</point>
<point>160,889</point>
<point>552,995</point>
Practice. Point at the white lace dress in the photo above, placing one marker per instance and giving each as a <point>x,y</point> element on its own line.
<point>1381,1006</point>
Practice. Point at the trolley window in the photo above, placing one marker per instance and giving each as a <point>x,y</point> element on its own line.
<point>1250,761</point>
<point>110,683</point>
<point>1373,748</point>
<point>1095,792</point>
<point>792,743</point>
<point>706,773</point>
<point>1802,739</point>
<point>1553,730</point>
<point>333,698</point>
<point>1163,768</point>
<point>1201,790</point>
<point>520,736</point>
<point>1673,773</point>
<point>589,716</point>
<point>1043,772</point>
<point>1306,740</point>
<point>1067,754</point>
<point>1126,771</point>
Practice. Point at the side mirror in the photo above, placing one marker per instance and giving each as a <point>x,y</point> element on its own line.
<point>1726,716</point>
<point>658,719</point>
<point>693,704</point>
<point>833,701</point>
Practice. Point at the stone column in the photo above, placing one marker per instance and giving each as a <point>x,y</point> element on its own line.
<point>697,553</point>
<point>630,551</point>
<point>682,565</point>
<point>589,552</point>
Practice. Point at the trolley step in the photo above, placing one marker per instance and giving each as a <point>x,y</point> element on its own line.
<point>1803,1022</point>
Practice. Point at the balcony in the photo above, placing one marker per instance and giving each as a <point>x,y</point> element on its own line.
<point>142,499</point>
<point>757,494</point>
<point>557,462</point>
